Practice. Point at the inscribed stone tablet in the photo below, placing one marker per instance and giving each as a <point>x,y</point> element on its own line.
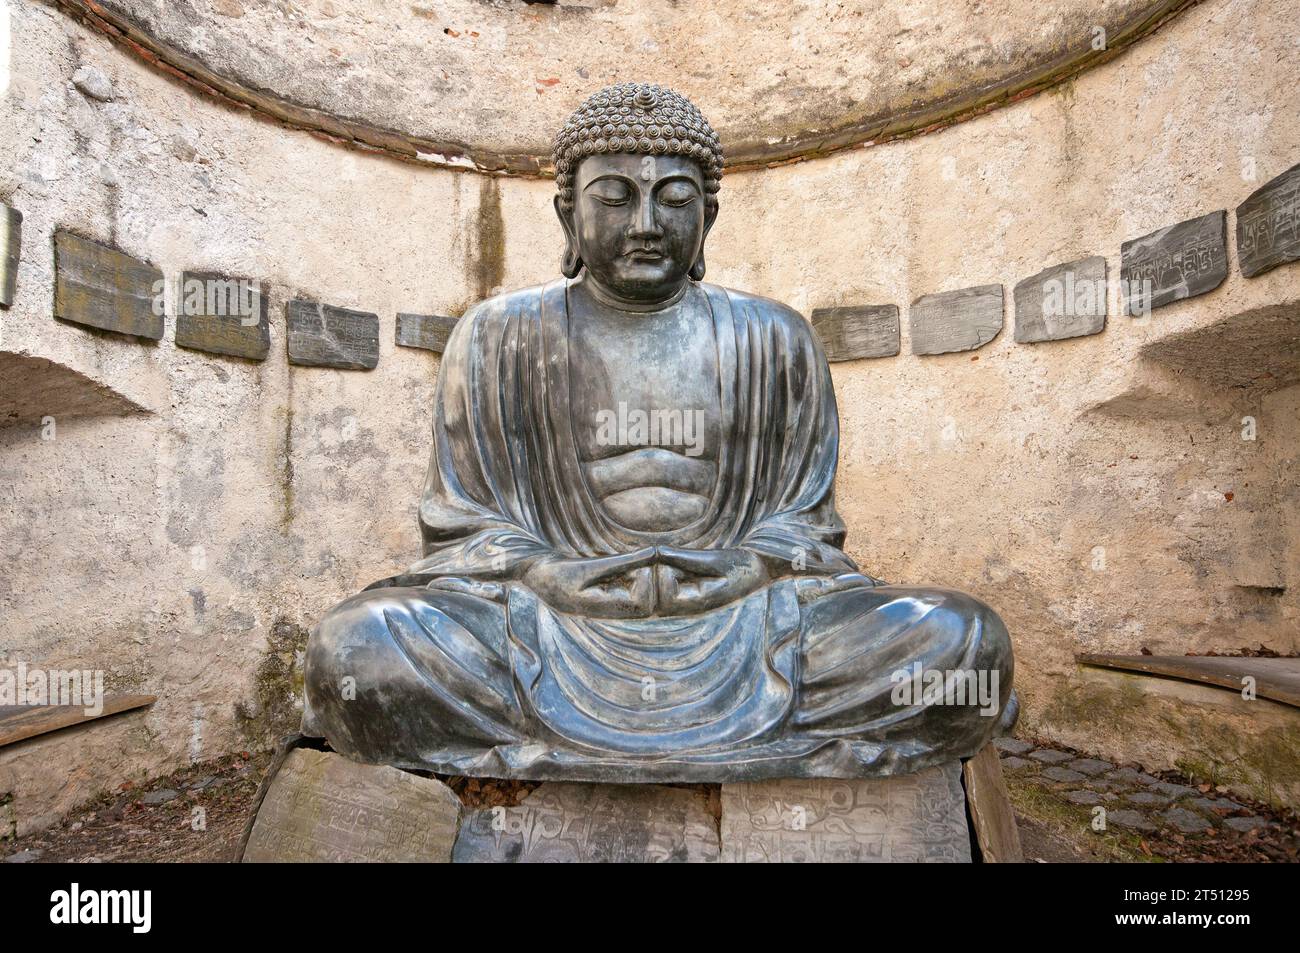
<point>11,239</point>
<point>1065,301</point>
<point>850,333</point>
<point>101,287</point>
<point>321,335</point>
<point>907,819</point>
<point>428,331</point>
<point>1268,224</point>
<point>593,823</point>
<point>222,315</point>
<point>956,320</point>
<point>1181,261</point>
<point>322,807</point>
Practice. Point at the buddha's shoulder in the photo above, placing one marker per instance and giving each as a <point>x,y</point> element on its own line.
<point>491,315</point>
<point>766,309</point>
<point>508,303</point>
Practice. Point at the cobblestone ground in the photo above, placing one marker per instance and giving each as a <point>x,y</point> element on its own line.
<point>1075,807</point>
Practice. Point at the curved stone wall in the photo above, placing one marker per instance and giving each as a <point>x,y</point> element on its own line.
<point>485,83</point>
<point>190,514</point>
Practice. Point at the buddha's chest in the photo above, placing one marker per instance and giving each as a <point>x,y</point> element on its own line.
<point>646,415</point>
<point>652,382</point>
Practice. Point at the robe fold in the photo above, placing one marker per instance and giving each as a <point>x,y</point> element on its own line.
<point>461,668</point>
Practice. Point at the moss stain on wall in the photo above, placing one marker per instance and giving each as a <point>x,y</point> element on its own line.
<point>1213,748</point>
<point>278,688</point>
<point>485,260</point>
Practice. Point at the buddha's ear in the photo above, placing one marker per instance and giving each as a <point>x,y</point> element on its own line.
<point>571,263</point>
<point>710,216</point>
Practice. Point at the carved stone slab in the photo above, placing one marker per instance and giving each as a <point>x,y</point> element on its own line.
<point>1268,224</point>
<point>101,287</point>
<point>222,315</point>
<point>991,815</point>
<point>11,239</point>
<point>428,331</point>
<point>593,823</point>
<point>956,320</point>
<point>906,819</point>
<point>1064,301</point>
<point>322,807</point>
<point>321,335</point>
<point>1181,261</point>
<point>850,333</point>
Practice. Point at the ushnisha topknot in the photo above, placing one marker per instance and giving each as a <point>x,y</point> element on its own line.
<point>640,119</point>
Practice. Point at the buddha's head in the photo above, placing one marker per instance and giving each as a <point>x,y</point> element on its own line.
<point>638,170</point>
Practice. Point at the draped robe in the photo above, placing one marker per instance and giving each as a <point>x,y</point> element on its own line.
<point>457,666</point>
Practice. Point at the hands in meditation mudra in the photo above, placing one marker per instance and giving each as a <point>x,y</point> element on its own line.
<point>633,566</point>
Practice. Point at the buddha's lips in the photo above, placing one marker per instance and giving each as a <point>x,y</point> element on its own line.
<point>644,254</point>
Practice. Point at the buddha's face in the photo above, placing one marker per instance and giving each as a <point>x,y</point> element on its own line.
<point>639,222</point>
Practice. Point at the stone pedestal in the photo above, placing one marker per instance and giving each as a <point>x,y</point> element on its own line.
<point>916,818</point>
<point>317,805</point>
<point>594,823</point>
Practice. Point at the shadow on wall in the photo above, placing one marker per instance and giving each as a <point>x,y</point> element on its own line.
<point>37,391</point>
<point>1244,370</point>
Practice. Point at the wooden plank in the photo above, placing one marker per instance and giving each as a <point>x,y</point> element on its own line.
<point>989,805</point>
<point>1277,679</point>
<point>20,722</point>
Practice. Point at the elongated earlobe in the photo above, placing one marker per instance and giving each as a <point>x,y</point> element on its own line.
<point>571,263</point>
<point>697,269</point>
<point>710,216</point>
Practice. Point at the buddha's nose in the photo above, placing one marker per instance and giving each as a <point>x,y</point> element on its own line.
<point>645,226</point>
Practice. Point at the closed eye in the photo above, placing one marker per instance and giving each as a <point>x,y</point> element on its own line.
<point>610,193</point>
<point>677,194</point>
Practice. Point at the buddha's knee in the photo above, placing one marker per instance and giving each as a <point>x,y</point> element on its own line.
<point>408,663</point>
<point>859,634</point>
<point>354,641</point>
<point>962,634</point>
<point>969,626</point>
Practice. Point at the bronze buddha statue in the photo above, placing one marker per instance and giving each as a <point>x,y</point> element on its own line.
<point>633,567</point>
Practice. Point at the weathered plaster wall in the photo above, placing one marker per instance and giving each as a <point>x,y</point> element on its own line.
<point>490,81</point>
<point>186,546</point>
